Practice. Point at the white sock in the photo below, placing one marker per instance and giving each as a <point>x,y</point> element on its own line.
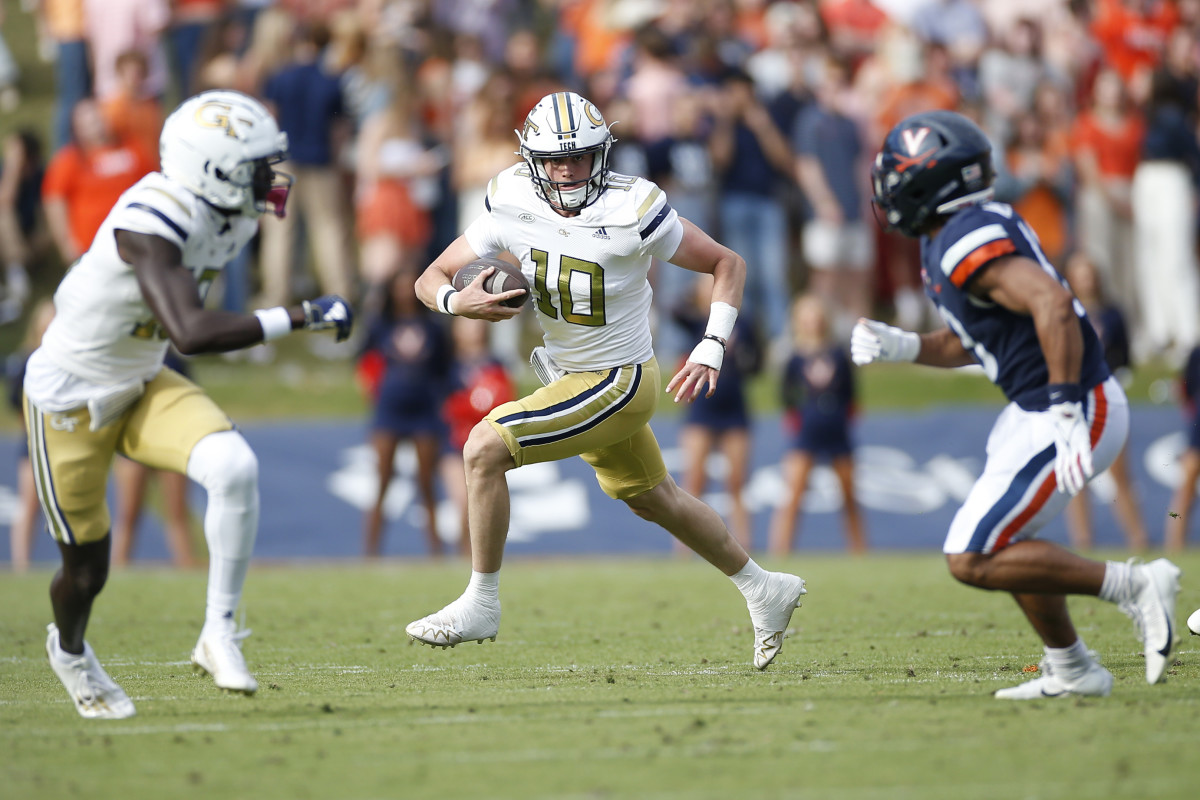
<point>484,587</point>
<point>1069,663</point>
<point>227,468</point>
<point>750,579</point>
<point>1119,583</point>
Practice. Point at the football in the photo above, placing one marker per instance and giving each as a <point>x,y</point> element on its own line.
<point>506,278</point>
<point>1194,623</point>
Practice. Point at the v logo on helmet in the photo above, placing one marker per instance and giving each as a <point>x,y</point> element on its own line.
<point>913,138</point>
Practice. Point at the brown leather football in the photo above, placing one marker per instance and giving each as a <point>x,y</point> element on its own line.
<point>506,278</point>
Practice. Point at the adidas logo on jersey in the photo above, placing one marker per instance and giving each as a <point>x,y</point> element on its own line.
<point>600,233</point>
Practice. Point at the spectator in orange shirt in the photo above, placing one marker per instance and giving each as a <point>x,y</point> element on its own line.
<point>854,26</point>
<point>598,37</point>
<point>1039,168</point>
<point>1106,141</point>
<point>131,113</point>
<point>1133,35</point>
<point>929,85</point>
<point>85,178</point>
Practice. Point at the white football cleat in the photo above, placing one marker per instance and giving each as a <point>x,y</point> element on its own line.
<point>1194,623</point>
<point>461,621</point>
<point>95,694</point>
<point>219,653</point>
<point>771,615</point>
<point>1096,682</point>
<point>1152,609</point>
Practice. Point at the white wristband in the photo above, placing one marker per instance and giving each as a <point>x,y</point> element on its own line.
<point>276,322</point>
<point>443,299</point>
<point>709,353</point>
<point>721,317</point>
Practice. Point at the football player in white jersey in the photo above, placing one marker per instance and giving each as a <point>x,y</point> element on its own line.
<point>97,386</point>
<point>585,238</point>
<point>1007,309</point>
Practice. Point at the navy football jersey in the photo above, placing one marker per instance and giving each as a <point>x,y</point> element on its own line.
<point>1005,343</point>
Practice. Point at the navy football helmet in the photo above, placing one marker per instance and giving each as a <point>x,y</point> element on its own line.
<point>931,165</point>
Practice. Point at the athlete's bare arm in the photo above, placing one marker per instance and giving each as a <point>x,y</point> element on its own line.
<point>170,291</point>
<point>699,252</point>
<point>472,301</point>
<point>943,348</point>
<point>1022,286</point>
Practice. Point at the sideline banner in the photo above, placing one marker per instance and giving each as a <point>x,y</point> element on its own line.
<point>913,470</point>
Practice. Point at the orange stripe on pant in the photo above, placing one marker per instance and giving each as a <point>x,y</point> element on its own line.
<point>1099,416</point>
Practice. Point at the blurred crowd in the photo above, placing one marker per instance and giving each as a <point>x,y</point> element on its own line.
<point>758,117</point>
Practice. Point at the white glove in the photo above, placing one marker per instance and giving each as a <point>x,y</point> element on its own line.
<point>1072,447</point>
<point>875,341</point>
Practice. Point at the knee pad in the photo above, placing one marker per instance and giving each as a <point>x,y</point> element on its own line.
<point>224,465</point>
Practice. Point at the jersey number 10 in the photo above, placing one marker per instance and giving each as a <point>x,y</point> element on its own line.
<point>579,288</point>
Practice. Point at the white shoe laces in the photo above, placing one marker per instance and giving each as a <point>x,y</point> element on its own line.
<point>91,680</point>
<point>234,639</point>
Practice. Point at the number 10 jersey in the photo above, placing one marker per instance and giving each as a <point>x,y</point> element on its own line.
<point>588,273</point>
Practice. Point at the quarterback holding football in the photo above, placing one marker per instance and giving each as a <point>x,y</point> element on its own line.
<point>585,238</point>
<point>97,385</point>
<point>1008,310</point>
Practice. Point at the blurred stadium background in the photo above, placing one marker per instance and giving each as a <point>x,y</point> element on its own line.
<point>621,677</point>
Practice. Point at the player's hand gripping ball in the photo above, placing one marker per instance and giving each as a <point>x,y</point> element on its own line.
<point>506,278</point>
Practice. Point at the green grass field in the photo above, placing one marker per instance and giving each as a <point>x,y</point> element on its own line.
<point>609,679</point>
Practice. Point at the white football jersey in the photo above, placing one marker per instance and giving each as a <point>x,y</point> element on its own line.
<point>103,332</point>
<point>588,272</point>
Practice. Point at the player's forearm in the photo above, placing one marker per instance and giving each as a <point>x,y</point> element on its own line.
<point>729,279</point>
<point>210,331</point>
<point>441,271</point>
<point>428,284</point>
<point>942,348</point>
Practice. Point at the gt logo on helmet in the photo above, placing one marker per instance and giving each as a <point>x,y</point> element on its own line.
<point>593,113</point>
<point>565,125</point>
<point>216,115</point>
<point>222,146</point>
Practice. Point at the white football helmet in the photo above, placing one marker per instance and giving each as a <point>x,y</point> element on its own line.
<point>221,145</point>
<point>566,124</point>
